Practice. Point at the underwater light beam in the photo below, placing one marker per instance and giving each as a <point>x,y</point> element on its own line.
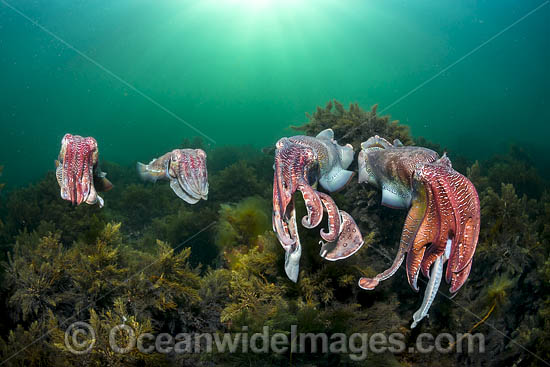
<point>258,5</point>
<point>465,56</point>
<point>112,74</point>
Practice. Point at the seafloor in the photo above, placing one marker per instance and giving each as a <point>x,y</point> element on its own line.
<point>116,265</point>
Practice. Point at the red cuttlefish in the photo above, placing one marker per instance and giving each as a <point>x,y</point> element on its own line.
<point>300,163</point>
<point>78,172</point>
<point>184,168</point>
<point>443,220</point>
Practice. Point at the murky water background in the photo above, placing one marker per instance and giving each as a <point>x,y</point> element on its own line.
<point>242,71</point>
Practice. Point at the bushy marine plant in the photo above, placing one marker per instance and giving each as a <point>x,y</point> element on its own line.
<point>354,125</point>
<point>51,284</point>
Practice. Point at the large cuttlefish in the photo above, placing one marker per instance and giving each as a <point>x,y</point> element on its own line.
<point>443,220</point>
<point>184,168</point>
<point>301,162</point>
<point>77,171</point>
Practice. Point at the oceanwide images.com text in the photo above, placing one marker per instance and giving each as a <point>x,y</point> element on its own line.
<point>80,338</point>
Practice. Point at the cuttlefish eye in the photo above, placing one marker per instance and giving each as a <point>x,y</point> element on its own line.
<point>173,168</point>
<point>175,159</point>
<point>176,155</point>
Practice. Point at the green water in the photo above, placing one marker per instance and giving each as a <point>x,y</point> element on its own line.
<point>242,71</point>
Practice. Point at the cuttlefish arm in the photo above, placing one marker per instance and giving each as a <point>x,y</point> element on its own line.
<point>292,162</point>
<point>458,217</point>
<point>348,242</point>
<point>293,253</point>
<point>433,285</point>
<point>188,174</point>
<point>371,283</point>
<point>417,232</point>
<point>313,204</point>
<point>334,219</point>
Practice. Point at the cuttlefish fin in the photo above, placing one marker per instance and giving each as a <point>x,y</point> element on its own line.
<point>59,174</point>
<point>392,200</point>
<point>336,179</point>
<point>346,155</point>
<point>327,134</point>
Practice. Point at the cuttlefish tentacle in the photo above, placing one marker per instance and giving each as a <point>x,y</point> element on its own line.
<point>76,167</point>
<point>433,286</point>
<point>293,252</point>
<point>176,186</point>
<point>446,223</point>
<point>458,207</point>
<point>460,260</point>
<point>191,172</point>
<point>280,226</point>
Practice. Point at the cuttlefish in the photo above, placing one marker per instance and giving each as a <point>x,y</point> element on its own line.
<point>443,222</point>
<point>78,172</point>
<point>184,168</point>
<point>300,163</point>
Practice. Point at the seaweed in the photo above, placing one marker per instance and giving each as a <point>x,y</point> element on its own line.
<point>354,125</point>
<point>27,207</point>
<point>100,282</point>
<point>153,262</point>
<point>238,181</point>
<point>241,224</point>
<point>507,236</point>
<point>495,297</point>
<point>516,168</point>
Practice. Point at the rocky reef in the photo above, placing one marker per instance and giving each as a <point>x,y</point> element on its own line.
<point>159,265</point>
